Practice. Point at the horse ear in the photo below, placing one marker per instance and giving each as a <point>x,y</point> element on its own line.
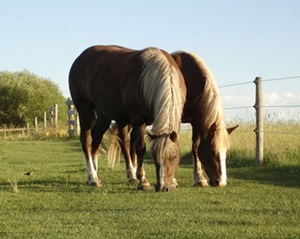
<point>212,130</point>
<point>173,136</point>
<point>229,130</point>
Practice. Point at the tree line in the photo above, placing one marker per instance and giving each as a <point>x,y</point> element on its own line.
<point>24,96</point>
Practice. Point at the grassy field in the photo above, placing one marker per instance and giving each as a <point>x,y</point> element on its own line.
<point>54,202</point>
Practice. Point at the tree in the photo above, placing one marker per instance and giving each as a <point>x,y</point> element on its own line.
<point>24,96</point>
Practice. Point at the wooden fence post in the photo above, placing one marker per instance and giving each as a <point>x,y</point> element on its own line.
<point>259,131</point>
<point>56,116</point>
<point>53,111</point>
<point>35,124</point>
<point>45,121</point>
<point>73,121</point>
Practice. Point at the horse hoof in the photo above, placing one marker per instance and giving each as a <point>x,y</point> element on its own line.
<point>201,184</point>
<point>96,184</point>
<point>143,185</point>
<point>133,181</point>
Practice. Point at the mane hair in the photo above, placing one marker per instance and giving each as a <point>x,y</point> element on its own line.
<point>210,108</point>
<point>161,90</point>
<point>164,148</point>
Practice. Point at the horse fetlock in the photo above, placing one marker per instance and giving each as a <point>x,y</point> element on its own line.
<point>131,177</point>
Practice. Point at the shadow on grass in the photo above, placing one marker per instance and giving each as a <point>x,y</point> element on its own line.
<point>186,160</point>
<point>244,167</point>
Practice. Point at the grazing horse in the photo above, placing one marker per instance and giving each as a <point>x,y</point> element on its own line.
<point>130,87</point>
<point>203,109</point>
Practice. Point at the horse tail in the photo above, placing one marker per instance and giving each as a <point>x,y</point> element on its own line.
<point>114,149</point>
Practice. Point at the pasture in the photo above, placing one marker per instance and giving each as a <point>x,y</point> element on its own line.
<point>54,202</point>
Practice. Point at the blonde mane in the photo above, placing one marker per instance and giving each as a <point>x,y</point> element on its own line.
<point>210,107</point>
<point>162,93</point>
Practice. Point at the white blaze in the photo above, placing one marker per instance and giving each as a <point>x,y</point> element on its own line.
<point>161,175</point>
<point>223,180</point>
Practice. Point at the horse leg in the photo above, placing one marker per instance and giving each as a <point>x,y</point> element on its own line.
<point>98,130</point>
<point>126,149</point>
<point>199,179</point>
<point>132,150</point>
<point>87,118</point>
<point>137,138</point>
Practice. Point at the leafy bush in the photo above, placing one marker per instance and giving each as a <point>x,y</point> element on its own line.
<point>24,96</point>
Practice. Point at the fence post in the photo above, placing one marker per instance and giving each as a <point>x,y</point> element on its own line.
<point>53,111</point>
<point>28,128</point>
<point>35,124</point>
<point>45,121</point>
<point>259,131</point>
<point>73,121</point>
<point>56,116</point>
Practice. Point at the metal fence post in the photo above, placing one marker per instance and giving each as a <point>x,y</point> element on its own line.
<point>259,131</point>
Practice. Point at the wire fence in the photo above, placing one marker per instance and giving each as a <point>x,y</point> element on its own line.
<point>263,106</point>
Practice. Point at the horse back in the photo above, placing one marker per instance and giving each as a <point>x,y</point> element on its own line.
<point>104,76</point>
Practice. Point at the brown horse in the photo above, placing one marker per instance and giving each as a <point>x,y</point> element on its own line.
<point>130,87</point>
<point>204,111</point>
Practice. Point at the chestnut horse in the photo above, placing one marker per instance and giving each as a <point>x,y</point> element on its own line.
<point>203,109</point>
<point>130,87</point>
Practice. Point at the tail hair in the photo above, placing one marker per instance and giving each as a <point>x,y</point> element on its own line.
<point>114,149</point>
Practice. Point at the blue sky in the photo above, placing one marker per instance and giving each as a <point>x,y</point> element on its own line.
<point>239,40</point>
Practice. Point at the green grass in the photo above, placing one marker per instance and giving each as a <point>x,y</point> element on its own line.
<point>259,201</point>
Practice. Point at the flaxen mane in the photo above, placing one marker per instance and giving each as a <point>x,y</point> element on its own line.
<point>161,89</point>
<point>210,107</point>
<point>162,93</point>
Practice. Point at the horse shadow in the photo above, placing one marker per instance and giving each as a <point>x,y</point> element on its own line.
<point>245,168</point>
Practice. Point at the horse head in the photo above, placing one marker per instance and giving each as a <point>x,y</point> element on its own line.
<point>166,154</point>
<point>212,153</point>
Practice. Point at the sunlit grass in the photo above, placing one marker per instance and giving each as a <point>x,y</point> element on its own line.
<point>259,201</point>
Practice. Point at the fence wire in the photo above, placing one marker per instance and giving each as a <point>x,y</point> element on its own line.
<point>263,80</point>
<point>265,106</point>
<point>236,84</point>
<point>269,132</point>
<point>282,78</point>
